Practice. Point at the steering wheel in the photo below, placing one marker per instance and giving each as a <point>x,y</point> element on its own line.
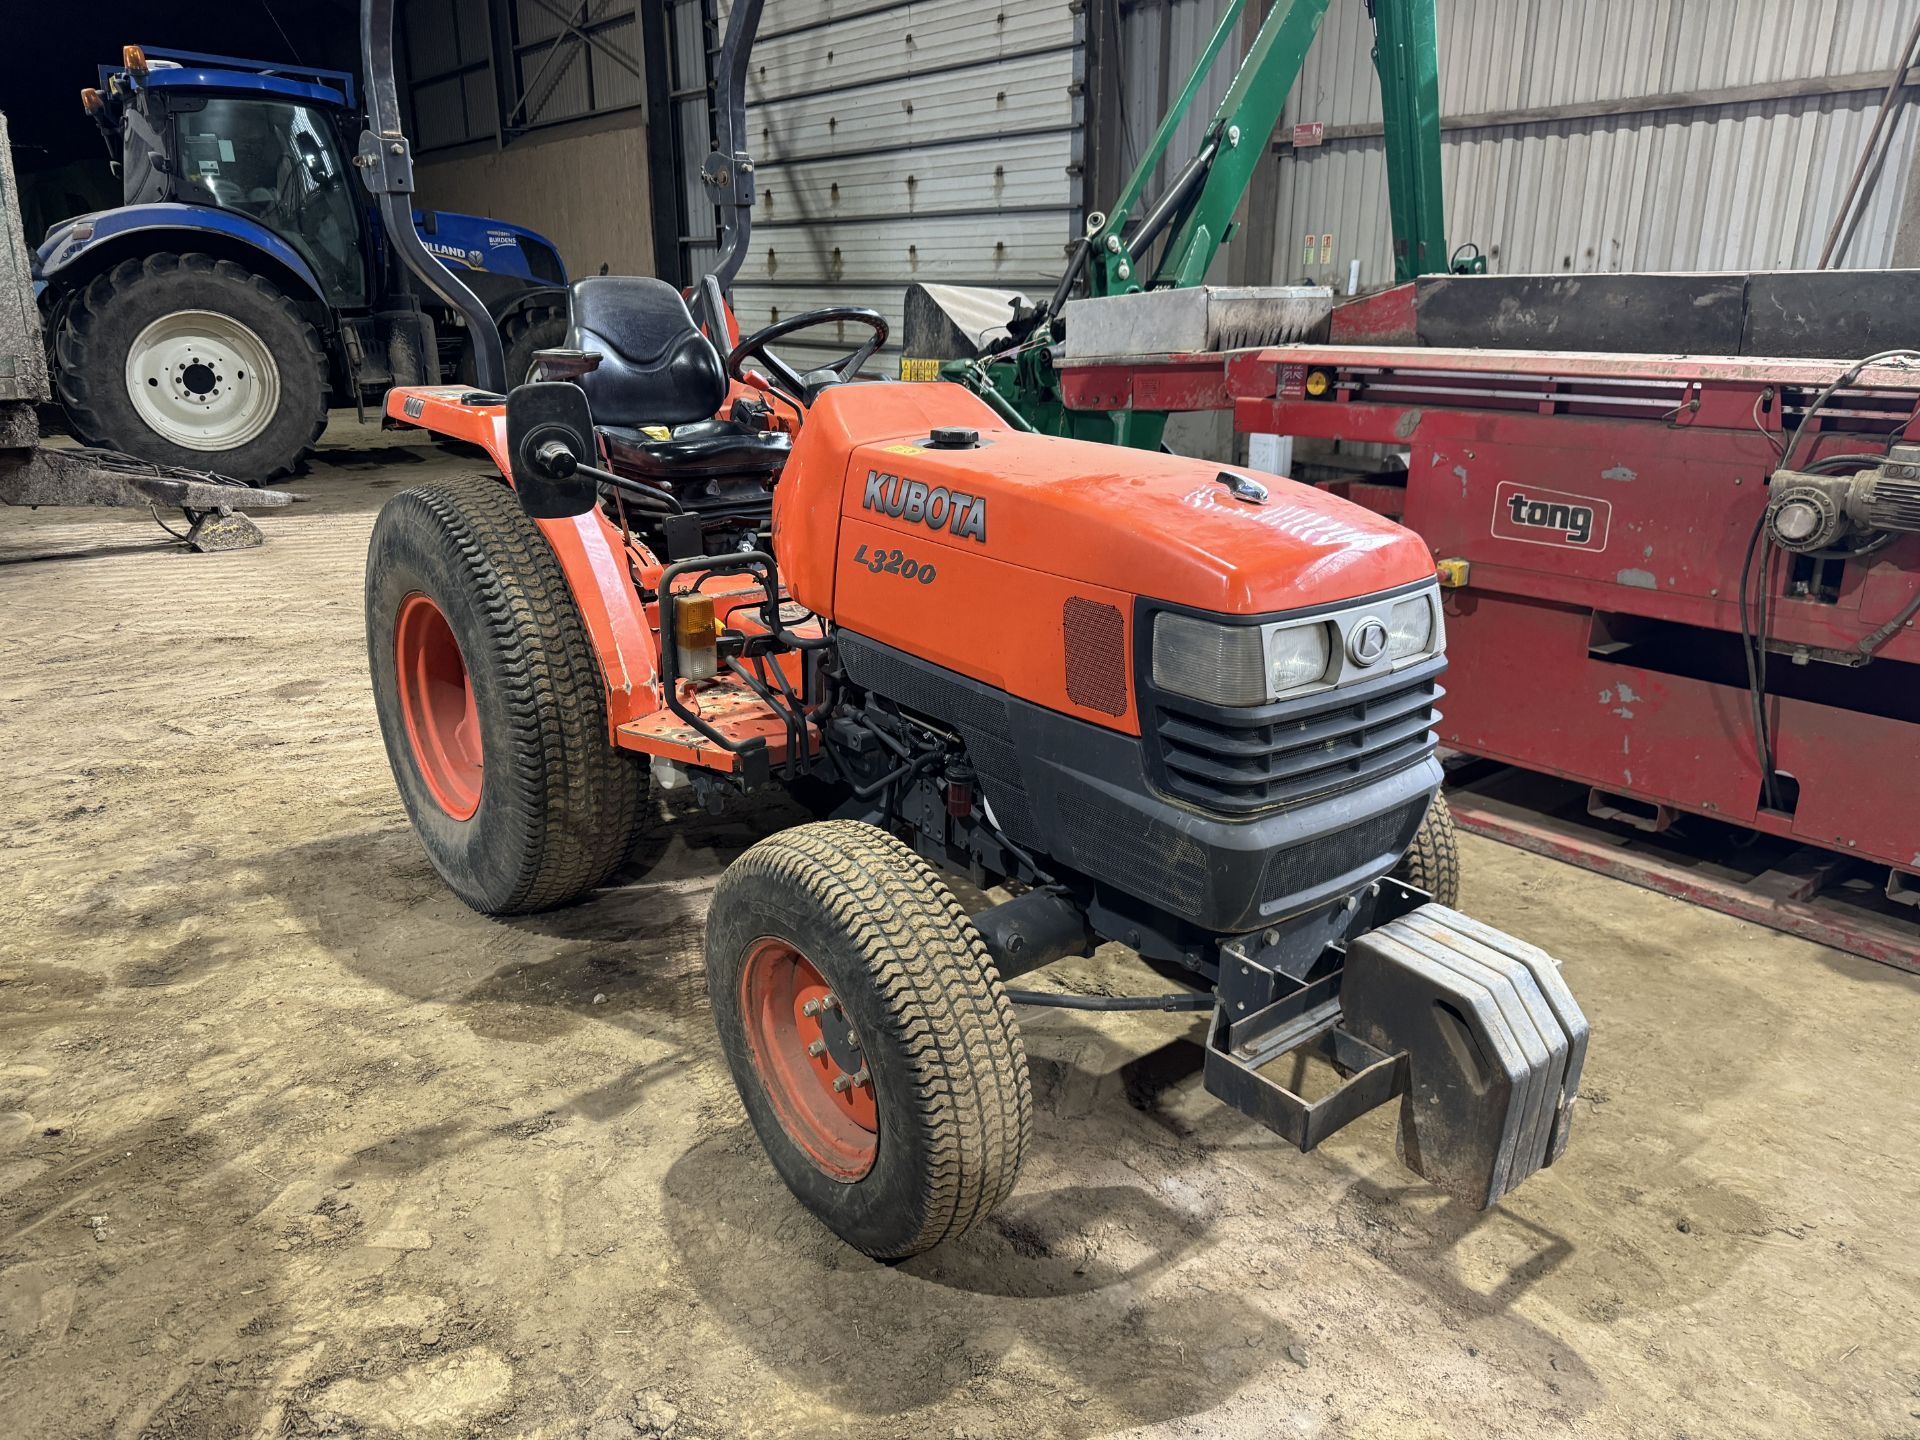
<point>754,347</point>
<point>313,161</point>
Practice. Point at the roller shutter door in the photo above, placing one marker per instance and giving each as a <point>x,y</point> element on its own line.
<point>935,140</point>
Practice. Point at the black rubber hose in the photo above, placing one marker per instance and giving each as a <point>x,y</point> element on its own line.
<point>1058,1000</point>
<point>1873,642</point>
<point>1846,378</point>
<point>635,489</point>
<point>1753,649</point>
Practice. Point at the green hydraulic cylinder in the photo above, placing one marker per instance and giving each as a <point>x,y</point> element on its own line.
<point>1406,56</point>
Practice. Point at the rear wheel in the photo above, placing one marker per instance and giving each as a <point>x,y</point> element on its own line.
<point>490,701</point>
<point>1432,861</point>
<point>525,335</point>
<point>190,361</point>
<point>871,1040</point>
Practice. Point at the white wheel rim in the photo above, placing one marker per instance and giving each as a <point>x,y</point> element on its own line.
<point>202,380</point>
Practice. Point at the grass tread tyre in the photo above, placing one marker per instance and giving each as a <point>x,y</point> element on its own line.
<point>532,330</point>
<point>559,804</point>
<point>1432,861</point>
<point>99,323</point>
<point>951,1081</point>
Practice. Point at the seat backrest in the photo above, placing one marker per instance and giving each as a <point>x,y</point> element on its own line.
<point>658,369</point>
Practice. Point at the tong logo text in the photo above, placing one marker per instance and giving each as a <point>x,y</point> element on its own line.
<point>1573,521</point>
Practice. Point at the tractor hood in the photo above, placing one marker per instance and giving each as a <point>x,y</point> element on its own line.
<point>479,243</point>
<point>1136,522</point>
<point>998,554</point>
<point>1161,526</point>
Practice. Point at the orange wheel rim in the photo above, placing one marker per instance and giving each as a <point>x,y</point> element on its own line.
<point>809,1059</point>
<point>436,699</point>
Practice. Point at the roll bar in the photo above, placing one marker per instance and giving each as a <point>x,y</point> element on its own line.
<point>385,162</point>
<point>728,170</point>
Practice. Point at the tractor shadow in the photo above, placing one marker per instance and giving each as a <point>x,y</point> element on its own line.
<point>1124,1266</point>
<point>1059,1279</point>
<point>630,953</point>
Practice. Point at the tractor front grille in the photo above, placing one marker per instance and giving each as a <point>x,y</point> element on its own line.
<point>1274,756</point>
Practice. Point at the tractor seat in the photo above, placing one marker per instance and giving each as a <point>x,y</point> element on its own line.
<point>657,370</point>
<point>702,448</point>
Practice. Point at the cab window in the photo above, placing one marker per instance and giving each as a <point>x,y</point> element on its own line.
<point>277,162</point>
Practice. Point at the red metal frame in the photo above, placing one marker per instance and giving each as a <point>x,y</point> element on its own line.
<point>1596,651</point>
<point>1798,895</point>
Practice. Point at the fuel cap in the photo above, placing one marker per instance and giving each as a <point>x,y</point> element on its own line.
<point>954,437</point>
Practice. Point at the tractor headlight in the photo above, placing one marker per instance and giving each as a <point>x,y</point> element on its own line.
<point>1236,664</point>
<point>1296,656</point>
<point>1410,628</point>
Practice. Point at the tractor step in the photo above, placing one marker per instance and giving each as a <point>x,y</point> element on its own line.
<point>732,709</point>
<point>1474,1030</point>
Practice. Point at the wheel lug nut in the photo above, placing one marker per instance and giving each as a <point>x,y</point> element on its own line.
<point>817,1048</point>
<point>862,1077</point>
<point>842,1083</point>
<point>810,1009</point>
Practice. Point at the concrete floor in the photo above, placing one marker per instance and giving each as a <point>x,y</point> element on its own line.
<point>291,1143</point>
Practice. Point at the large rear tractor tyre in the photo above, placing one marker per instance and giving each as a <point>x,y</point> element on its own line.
<point>491,703</point>
<point>1432,861</point>
<point>868,1032</point>
<point>528,333</point>
<point>190,361</point>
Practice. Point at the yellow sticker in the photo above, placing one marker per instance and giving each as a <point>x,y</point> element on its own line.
<point>905,449</point>
<point>919,369</point>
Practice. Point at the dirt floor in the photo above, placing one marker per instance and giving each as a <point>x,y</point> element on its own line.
<point>291,1143</point>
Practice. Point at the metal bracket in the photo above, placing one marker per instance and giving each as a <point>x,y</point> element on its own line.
<point>385,163</point>
<point>1234,1075</point>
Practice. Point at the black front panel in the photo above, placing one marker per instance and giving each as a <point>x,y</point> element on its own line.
<point>1081,797</point>
<point>1242,760</point>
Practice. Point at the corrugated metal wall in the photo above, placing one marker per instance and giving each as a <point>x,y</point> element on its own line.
<point>929,140</point>
<point>1710,185</point>
<point>582,59</point>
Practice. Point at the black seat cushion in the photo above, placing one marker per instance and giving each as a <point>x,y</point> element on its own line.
<point>706,447</point>
<point>657,368</point>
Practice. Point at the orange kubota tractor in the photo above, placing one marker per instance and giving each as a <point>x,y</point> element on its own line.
<point>1181,709</point>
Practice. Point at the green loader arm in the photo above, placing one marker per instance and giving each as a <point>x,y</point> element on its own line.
<point>1194,217</point>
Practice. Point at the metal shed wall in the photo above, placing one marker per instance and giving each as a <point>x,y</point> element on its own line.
<point>933,140</point>
<point>1707,166</point>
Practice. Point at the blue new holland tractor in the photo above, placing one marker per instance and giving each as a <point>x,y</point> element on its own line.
<point>247,282</point>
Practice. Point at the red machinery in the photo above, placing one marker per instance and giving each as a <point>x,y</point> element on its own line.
<point>1617,533</point>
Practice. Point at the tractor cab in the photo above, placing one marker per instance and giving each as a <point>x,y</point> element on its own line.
<point>245,286</point>
<point>267,145</point>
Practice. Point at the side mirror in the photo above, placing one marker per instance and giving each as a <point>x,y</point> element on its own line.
<point>549,436</point>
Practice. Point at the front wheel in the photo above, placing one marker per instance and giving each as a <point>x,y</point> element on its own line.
<point>872,1043</point>
<point>1432,861</point>
<point>189,361</point>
